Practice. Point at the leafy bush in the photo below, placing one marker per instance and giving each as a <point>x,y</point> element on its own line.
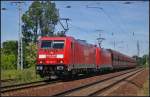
<point>8,61</point>
<point>9,55</point>
<point>30,52</point>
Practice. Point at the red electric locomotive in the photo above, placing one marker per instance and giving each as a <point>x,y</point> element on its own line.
<point>63,55</point>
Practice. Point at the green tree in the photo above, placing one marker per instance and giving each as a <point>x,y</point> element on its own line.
<point>142,61</point>
<point>39,19</point>
<point>145,59</point>
<point>10,47</point>
<point>9,55</point>
<point>30,52</point>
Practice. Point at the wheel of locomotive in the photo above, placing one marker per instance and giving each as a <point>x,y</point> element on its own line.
<point>71,75</point>
<point>66,75</point>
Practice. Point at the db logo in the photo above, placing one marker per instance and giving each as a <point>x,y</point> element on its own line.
<point>51,56</point>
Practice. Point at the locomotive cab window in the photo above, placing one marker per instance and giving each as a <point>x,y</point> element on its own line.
<point>46,44</point>
<point>59,44</point>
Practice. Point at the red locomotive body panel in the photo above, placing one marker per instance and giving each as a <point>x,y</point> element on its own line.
<point>103,58</point>
<point>68,52</point>
<point>84,55</point>
<point>50,55</point>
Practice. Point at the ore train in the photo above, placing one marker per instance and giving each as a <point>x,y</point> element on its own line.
<point>63,56</point>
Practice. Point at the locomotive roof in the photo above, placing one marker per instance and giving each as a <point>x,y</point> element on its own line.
<point>54,37</point>
<point>62,38</point>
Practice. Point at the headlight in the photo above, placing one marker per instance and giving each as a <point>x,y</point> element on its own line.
<point>60,56</point>
<point>39,67</point>
<point>61,61</point>
<point>60,67</point>
<point>41,62</point>
<point>42,56</point>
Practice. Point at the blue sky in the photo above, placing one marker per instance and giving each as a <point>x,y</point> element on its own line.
<point>117,18</point>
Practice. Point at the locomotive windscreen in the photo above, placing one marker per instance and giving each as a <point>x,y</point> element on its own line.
<point>46,44</point>
<point>56,44</point>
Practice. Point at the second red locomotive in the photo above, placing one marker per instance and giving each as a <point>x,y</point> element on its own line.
<point>66,55</point>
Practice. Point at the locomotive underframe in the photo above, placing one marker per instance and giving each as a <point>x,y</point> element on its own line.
<point>49,70</point>
<point>60,70</point>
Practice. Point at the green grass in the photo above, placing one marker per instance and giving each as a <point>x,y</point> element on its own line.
<point>21,76</point>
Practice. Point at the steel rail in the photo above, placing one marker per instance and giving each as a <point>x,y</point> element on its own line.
<point>26,85</point>
<point>111,85</point>
<point>91,84</point>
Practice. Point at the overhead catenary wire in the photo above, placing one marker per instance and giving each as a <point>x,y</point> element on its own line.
<point>120,25</point>
<point>106,13</point>
<point>132,34</point>
<point>85,31</point>
<point>112,33</point>
<point>108,16</point>
<point>115,42</point>
<point>121,21</point>
<point>69,4</point>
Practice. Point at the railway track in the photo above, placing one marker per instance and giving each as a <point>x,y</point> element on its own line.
<point>96,88</point>
<point>7,80</point>
<point>27,85</point>
<point>37,84</point>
